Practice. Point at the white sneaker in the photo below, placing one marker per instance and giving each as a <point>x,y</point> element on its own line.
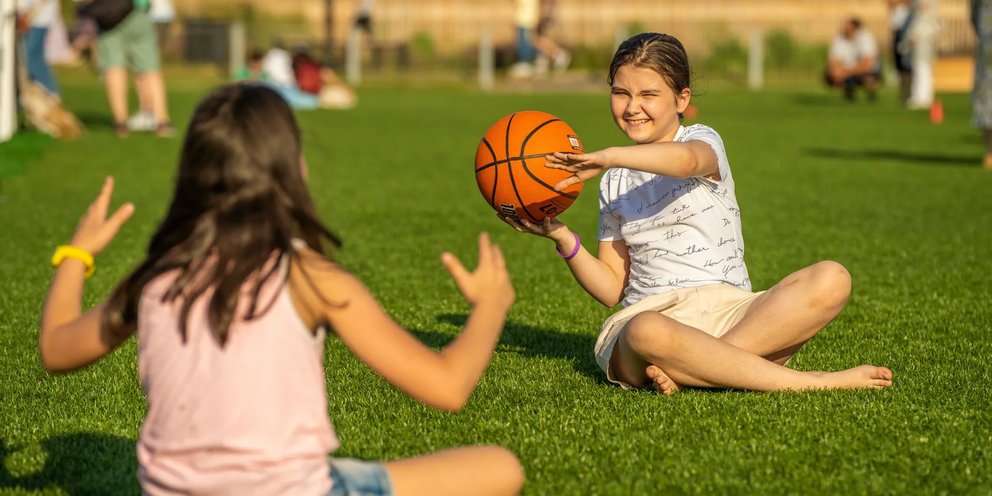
<point>521,70</point>
<point>142,121</point>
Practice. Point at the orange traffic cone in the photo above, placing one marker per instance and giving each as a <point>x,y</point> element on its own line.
<point>936,111</point>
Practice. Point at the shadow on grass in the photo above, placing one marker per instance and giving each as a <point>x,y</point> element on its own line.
<point>79,463</point>
<point>531,341</point>
<point>901,155</point>
<point>96,120</point>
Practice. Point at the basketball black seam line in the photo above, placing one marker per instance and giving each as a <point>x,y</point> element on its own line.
<point>492,152</point>
<point>506,151</point>
<point>509,168</point>
<point>523,162</point>
<point>497,162</point>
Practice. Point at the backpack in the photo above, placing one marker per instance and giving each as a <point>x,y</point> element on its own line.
<point>307,73</point>
<point>107,13</point>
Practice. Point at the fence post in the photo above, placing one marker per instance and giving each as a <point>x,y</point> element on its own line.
<point>236,47</point>
<point>8,112</point>
<point>353,57</point>
<point>486,59</point>
<point>756,60</point>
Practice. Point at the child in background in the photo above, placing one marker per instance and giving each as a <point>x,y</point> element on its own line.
<point>671,250</point>
<point>231,306</point>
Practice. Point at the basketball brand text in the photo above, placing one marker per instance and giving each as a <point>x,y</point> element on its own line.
<point>508,211</point>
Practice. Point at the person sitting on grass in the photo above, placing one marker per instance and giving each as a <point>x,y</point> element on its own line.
<point>853,61</point>
<point>671,251</point>
<point>231,306</point>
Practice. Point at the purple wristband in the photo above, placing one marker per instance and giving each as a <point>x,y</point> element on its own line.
<point>575,250</point>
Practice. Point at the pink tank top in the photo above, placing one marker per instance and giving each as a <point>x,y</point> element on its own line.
<point>248,418</point>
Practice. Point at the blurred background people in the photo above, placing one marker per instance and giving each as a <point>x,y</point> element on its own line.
<point>132,45</point>
<point>525,20</point>
<point>853,60</point>
<point>900,15</point>
<point>35,17</point>
<point>921,36</point>
<point>549,51</point>
<point>161,13</point>
<point>981,96</point>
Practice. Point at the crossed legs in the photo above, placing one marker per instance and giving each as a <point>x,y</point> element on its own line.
<point>655,350</point>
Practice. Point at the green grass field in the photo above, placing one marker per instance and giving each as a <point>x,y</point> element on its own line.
<point>901,202</point>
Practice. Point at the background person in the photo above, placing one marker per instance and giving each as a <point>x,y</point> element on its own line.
<point>35,18</point>
<point>550,50</point>
<point>981,96</point>
<point>921,37</point>
<point>900,15</point>
<point>853,60</point>
<point>132,46</point>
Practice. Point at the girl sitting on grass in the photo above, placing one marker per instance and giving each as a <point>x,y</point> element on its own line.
<point>671,250</point>
<point>231,306</point>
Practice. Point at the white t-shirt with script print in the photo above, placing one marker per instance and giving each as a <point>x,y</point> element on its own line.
<point>680,232</point>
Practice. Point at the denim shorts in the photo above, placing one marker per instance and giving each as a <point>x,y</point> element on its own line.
<point>352,477</point>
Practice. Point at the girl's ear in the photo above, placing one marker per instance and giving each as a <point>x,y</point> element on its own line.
<point>682,99</point>
<point>304,171</point>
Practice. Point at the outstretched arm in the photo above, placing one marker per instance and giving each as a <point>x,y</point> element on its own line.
<point>442,379</point>
<point>603,276</point>
<point>69,339</point>
<point>691,158</point>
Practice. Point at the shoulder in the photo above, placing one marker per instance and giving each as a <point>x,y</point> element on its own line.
<point>702,132</point>
<point>317,284</point>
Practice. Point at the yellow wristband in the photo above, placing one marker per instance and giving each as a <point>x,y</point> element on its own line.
<point>69,251</point>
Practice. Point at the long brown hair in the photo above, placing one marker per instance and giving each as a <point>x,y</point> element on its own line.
<point>240,200</point>
<point>662,53</point>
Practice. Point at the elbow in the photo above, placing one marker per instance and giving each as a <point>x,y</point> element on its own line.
<point>609,302</point>
<point>451,402</point>
<point>49,364</point>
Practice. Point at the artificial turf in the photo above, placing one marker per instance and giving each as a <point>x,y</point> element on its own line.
<point>901,202</point>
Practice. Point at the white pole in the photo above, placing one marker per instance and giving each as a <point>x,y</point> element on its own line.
<point>236,47</point>
<point>486,59</point>
<point>353,57</point>
<point>8,107</point>
<point>756,61</point>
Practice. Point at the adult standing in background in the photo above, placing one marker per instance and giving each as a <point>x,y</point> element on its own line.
<point>900,15</point>
<point>525,19</point>
<point>921,35</point>
<point>549,49</point>
<point>981,96</point>
<point>132,44</point>
<point>36,17</point>
<point>161,13</point>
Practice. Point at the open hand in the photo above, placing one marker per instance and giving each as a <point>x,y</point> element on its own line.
<point>583,166</point>
<point>490,282</point>
<point>547,228</point>
<point>95,229</point>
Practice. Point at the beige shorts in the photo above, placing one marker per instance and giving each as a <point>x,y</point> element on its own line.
<point>713,309</point>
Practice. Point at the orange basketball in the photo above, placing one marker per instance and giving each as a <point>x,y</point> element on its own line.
<point>510,171</point>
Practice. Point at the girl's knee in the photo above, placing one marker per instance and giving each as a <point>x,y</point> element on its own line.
<point>505,463</point>
<point>648,333</point>
<point>832,283</point>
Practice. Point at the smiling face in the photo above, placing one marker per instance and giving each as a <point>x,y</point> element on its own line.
<point>644,106</point>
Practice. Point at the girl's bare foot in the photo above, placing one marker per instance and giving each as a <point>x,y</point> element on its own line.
<point>863,376</point>
<point>660,380</point>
